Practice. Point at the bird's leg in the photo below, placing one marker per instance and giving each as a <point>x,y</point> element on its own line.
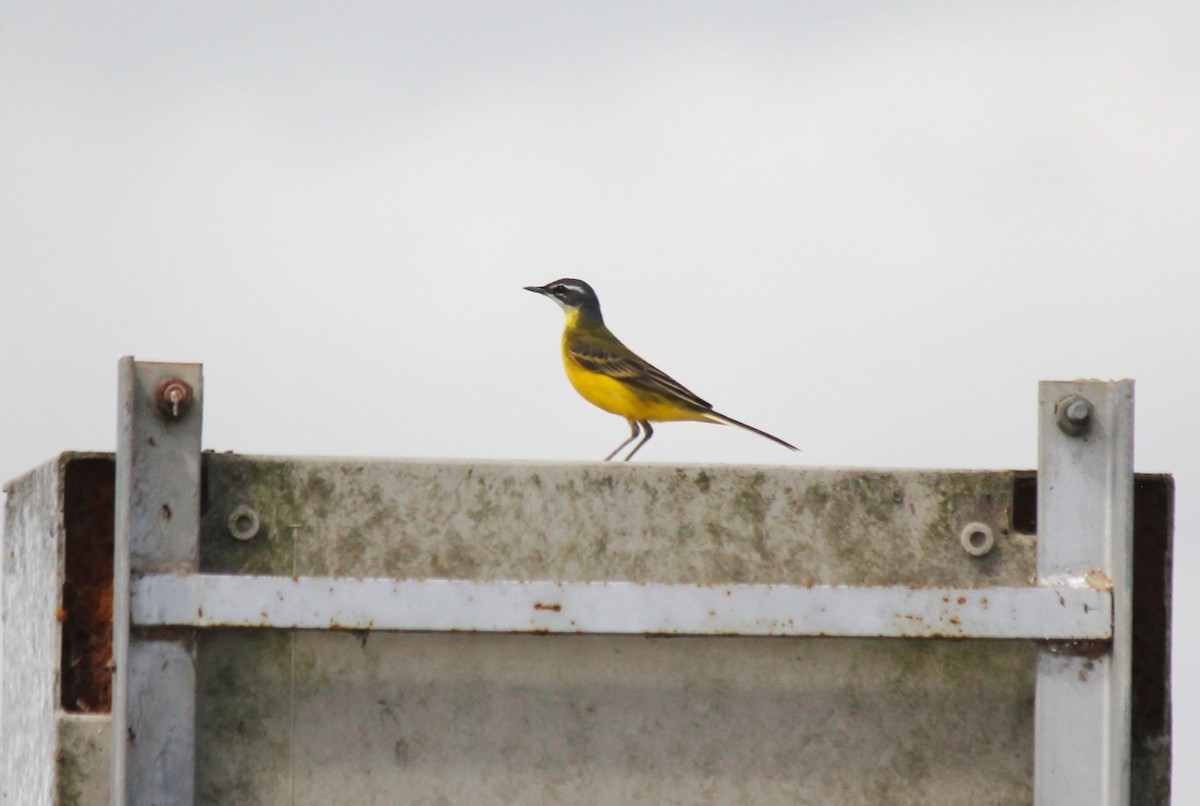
<point>636,433</point>
<point>649,433</point>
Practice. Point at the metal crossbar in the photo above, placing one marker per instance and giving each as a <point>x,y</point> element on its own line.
<point>316,603</point>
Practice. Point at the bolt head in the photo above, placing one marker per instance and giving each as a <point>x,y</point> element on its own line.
<point>173,397</point>
<point>977,539</point>
<point>1078,411</point>
<point>1074,415</point>
<point>243,523</point>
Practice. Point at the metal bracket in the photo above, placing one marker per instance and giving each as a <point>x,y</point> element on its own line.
<point>1085,533</point>
<point>157,531</point>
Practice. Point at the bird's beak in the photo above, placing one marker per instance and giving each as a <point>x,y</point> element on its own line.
<point>537,289</point>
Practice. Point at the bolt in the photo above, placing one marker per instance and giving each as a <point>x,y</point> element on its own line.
<point>174,396</point>
<point>1074,415</point>
<point>243,523</point>
<point>977,539</point>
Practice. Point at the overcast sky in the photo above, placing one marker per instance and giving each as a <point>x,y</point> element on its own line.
<point>869,228</point>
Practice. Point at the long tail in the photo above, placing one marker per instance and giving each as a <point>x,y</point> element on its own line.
<point>722,418</point>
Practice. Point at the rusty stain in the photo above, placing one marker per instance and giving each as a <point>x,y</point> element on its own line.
<point>553,606</point>
<point>962,600</point>
<point>87,589</point>
<point>1081,649</point>
<point>174,397</point>
<point>955,620</point>
<point>1098,580</point>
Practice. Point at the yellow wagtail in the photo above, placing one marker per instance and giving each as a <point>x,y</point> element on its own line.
<point>610,375</point>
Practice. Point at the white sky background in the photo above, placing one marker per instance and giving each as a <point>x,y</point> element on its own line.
<point>867,228</point>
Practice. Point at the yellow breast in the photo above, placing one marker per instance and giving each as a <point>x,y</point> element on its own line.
<point>621,399</point>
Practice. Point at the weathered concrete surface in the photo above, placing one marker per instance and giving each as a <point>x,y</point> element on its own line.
<point>30,638</point>
<point>83,760</point>
<point>611,521</point>
<point>327,718</point>
<point>351,718</point>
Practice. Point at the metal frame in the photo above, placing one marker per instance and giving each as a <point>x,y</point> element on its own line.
<point>1085,537</point>
<point>437,605</point>
<point>1080,604</point>
<point>157,530</point>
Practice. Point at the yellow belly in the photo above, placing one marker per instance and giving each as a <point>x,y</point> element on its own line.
<point>615,397</point>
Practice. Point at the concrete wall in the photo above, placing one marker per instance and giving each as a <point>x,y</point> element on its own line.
<point>342,717</point>
<point>385,718</point>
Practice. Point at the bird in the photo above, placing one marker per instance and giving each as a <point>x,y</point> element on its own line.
<point>611,376</point>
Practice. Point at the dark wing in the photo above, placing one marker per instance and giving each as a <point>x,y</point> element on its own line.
<point>618,361</point>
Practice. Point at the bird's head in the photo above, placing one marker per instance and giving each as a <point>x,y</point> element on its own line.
<point>574,296</point>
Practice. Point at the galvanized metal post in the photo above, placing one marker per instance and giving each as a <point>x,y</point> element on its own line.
<point>157,531</point>
<point>1085,529</point>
